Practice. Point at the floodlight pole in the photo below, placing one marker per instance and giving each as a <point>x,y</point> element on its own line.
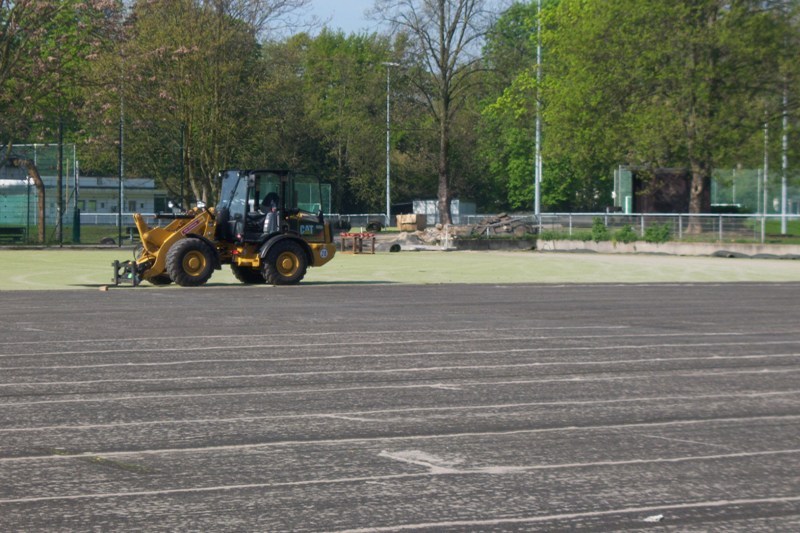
<point>764,190</point>
<point>784,161</point>
<point>537,207</point>
<point>388,66</point>
<point>60,184</point>
<point>120,169</point>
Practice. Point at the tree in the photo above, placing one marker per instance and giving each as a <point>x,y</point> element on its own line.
<point>507,136</point>
<point>508,120</point>
<point>45,48</point>
<point>445,36</point>
<point>345,95</point>
<point>187,74</point>
<point>657,83</point>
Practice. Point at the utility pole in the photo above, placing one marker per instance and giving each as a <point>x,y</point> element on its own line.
<point>121,170</point>
<point>60,184</point>
<point>183,159</point>
<point>537,207</point>
<point>784,161</point>
<point>388,66</point>
<point>764,189</point>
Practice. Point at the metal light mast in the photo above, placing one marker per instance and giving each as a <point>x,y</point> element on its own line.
<point>388,66</point>
<point>537,208</point>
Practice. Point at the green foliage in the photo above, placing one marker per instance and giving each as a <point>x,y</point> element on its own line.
<point>345,97</point>
<point>599,230</point>
<point>656,83</point>
<point>202,87</point>
<point>626,234</point>
<point>555,235</point>
<point>46,49</point>
<point>657,233</point>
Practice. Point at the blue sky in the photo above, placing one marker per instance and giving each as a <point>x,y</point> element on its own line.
<point>345,14</point>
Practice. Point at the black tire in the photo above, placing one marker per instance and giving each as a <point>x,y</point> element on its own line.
<point>250,276</point>
<point>286,264</point>
<point>190,262</point>
<point>161,279</point>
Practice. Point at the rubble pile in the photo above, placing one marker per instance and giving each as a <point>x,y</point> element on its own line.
<point>449,237</point>
<point>432,236</point>
<point>502,224</point>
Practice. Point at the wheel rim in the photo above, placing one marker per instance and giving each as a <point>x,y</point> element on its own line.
<point>287,264</point>
<point>194,263</point>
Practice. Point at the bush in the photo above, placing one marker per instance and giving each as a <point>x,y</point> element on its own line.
<point>599,230</point>
<point>557,235</point>
<point>626,234</point>
<point>552,235</point>
<point>657,233</point>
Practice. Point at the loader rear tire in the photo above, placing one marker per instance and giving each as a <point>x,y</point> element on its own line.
<point>250,276</point>
<point>286,264</point>
<point>190,262</point>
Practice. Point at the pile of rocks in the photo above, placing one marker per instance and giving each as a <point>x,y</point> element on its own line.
<point>433,236</point>
<point>440,237</point>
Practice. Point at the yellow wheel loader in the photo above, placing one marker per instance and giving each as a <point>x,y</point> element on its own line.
<point>268,226</point>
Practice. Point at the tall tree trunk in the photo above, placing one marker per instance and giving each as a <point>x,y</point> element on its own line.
<point>699,197</point>
<point>443,203</point>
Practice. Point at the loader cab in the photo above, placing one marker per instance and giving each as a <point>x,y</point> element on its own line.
<point>245,211</point>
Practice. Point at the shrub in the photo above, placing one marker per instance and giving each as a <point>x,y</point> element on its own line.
<point>626,234</point>
<point>552,235</point>
<point>599,230</point>
<point>657,233</point>
<point>556,235</point>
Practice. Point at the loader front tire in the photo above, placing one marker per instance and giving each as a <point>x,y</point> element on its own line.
<point>250,276</point>
<point>286,264</point>
<point>161,279</point>
<point>190,262</point>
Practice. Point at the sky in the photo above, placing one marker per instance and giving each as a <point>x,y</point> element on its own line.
<point>348,15</point>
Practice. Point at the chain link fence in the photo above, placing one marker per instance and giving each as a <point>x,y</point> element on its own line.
<point>676,227</point>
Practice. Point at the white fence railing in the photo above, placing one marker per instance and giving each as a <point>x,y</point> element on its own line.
<point>112,219</point>
<point>682,226</point>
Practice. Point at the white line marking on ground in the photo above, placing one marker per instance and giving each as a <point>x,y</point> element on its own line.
<point>352,418</point>
<point>439,465</point>
<point>398,438</point>
<point>431,472</point>
<point>416,354</point>
<point>363,415</point>
<point>335,390</point>
<point>573,516</point>
<point>439,340</point>
<point>22,279</point>
<point>409,370</point>
<point>271,347</point>
<point>294,335</point>
<point>434,463</point>
<point>687,441</point>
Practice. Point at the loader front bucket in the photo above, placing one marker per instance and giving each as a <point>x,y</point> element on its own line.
<point>125,272</point>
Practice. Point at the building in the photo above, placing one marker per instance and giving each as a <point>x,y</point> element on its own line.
<point>430,208</point>
<point>97,198</point>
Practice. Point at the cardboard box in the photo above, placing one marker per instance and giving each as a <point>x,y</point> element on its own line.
<point>411,222</point>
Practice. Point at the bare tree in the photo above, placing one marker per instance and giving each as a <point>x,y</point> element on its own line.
<point>446,36</point>
<point>261,16</point>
